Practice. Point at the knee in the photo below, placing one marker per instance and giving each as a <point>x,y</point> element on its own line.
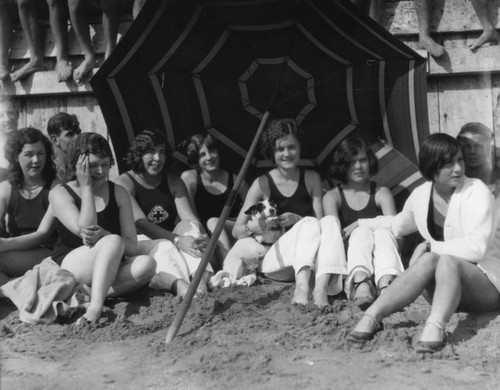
<point>145,267</point>
<point>212,223</point>
<point>24,4</point>
<point>54,3</point>
<point>310,224</point>
<point>361,233</point>
<point>428,261</point>
<point>447,265</point>
<point>330,221</point>
<point>383,234</point>
<point>112,242</point>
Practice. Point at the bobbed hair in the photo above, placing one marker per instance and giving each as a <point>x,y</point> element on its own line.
<point>196,142</point>
<point>276,129</point>
<point>62,121</point>
<point>343,157</point>
<point>86,143</point>
<point>144,142</point>
<point>13,148</point>
<point>437,150</point>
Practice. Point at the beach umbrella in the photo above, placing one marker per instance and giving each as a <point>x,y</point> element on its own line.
<point>217,66</point>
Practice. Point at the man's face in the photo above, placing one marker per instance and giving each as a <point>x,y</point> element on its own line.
<point>477,149</point>
<point>8,118</point>
<point>63,140</point>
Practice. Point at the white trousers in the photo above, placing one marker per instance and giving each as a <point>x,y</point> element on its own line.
<point>168,258</point>
<point>373,252</point>
<point>312,243</point>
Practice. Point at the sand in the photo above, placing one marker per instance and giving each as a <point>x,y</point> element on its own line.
<point>244,338</point>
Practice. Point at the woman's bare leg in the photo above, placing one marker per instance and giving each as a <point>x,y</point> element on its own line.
<point>301,294</point>
<point>96,267</point>
<point>489,33</point>
<point>133,273</point>
<point>5,37</point>
<point>32,32</point>
<point>403,291</point>
<point>59,26</point>
<point>426,42</point>
<point>458,282</point>
<point>109,25</point>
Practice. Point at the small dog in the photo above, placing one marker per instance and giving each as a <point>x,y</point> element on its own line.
<point>246,255</point>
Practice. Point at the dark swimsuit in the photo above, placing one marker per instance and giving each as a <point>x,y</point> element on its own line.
<point>209,205</point>
<point>108,219</point>
<point>299,203</point>
<point>157,204</point>
<point>435,220</point>
<point>347,215</point>
<point>25,215</point>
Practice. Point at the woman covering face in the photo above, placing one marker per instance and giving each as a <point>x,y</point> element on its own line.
<point>97,241</point>
<point>458,263</point>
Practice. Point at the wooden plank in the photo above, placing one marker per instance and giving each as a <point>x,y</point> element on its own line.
<point>495,103</point>
<point>433,105</point>
<point>44,83</point>
<point>464,99</point>
<point>446,16</point>
<point>19,49</point>
<point>464,61</point>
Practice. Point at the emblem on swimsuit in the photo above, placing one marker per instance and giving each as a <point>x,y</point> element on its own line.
<point>157,214</point>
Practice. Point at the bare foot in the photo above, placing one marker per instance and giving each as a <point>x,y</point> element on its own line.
<point>486,36</point>
<point>366,324</point>
<point>31,67</point>
<point>320,297</point>
<point>427,43</point>
<point>91,315</point>
<point>64,70</point>
<point>84,69</point>
<point>301,294</point>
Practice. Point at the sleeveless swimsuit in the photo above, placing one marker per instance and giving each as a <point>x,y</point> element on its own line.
<point>299,203</point>
<point>347,215</point>
<point>108,219</point>
<point>209,205</point>
<point>157,204</point>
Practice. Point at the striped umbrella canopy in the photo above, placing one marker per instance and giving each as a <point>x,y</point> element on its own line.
<point>188,66</point>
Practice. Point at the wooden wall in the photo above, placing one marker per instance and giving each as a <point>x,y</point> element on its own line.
<point>462,86</point>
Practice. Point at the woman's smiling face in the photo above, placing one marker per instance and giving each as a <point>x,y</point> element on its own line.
<point>287,152</point>
<point>154,160</point>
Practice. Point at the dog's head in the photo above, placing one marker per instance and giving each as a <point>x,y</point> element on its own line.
<point>264,209</point>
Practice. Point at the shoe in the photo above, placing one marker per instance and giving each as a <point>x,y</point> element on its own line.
<point>432,346</point>
<point>363,302</point>
<point>360,337</point>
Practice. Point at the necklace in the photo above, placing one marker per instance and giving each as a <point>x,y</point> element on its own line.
<point>31,188</point>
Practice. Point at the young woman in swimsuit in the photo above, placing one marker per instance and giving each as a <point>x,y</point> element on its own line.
<point>312,243</point>
<point>208,187</point>
<point>168,227</point>
<point>372,257</point>
<point>24,201</point>
<point>97,240</point>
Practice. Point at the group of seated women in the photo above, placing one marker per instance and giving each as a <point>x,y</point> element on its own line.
<point>153,226</point>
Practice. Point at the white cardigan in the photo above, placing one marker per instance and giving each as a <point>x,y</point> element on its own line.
<point>469,226</point>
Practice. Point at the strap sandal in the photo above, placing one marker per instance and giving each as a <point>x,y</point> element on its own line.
<point>432,346</point>
<point>360,337</point>
<point>363,302</point>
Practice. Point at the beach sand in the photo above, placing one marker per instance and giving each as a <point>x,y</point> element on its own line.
<point>244,338</point>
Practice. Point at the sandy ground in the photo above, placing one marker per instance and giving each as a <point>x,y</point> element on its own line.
<point>245,338</point>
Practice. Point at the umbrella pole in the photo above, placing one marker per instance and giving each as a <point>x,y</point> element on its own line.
<point>186,302</point>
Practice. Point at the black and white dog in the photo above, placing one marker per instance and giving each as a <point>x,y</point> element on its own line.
<point>246,255</point>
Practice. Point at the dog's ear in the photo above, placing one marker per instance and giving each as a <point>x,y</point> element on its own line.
<point>252,210</point>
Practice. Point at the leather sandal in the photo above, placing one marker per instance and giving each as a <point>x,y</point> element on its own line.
<point>432,346</point>
<point>364,302</point>
<point>360,337</point>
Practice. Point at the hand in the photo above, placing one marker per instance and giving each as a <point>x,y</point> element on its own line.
<point>347,231</point>
<point>287,219</point>
<point>91,234</point>
<point>201,242</point>
<point>188,244</point>
<point>83,171</point>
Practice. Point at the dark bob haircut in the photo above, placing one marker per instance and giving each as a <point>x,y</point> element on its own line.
<point>437,150</point>
<point>13,148</point>
<point>196,142</point>
<point>278,128</point>
<point>87,143</point>
<point>62,121</point>
<point>344,155</point>
<point>144,142</point>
